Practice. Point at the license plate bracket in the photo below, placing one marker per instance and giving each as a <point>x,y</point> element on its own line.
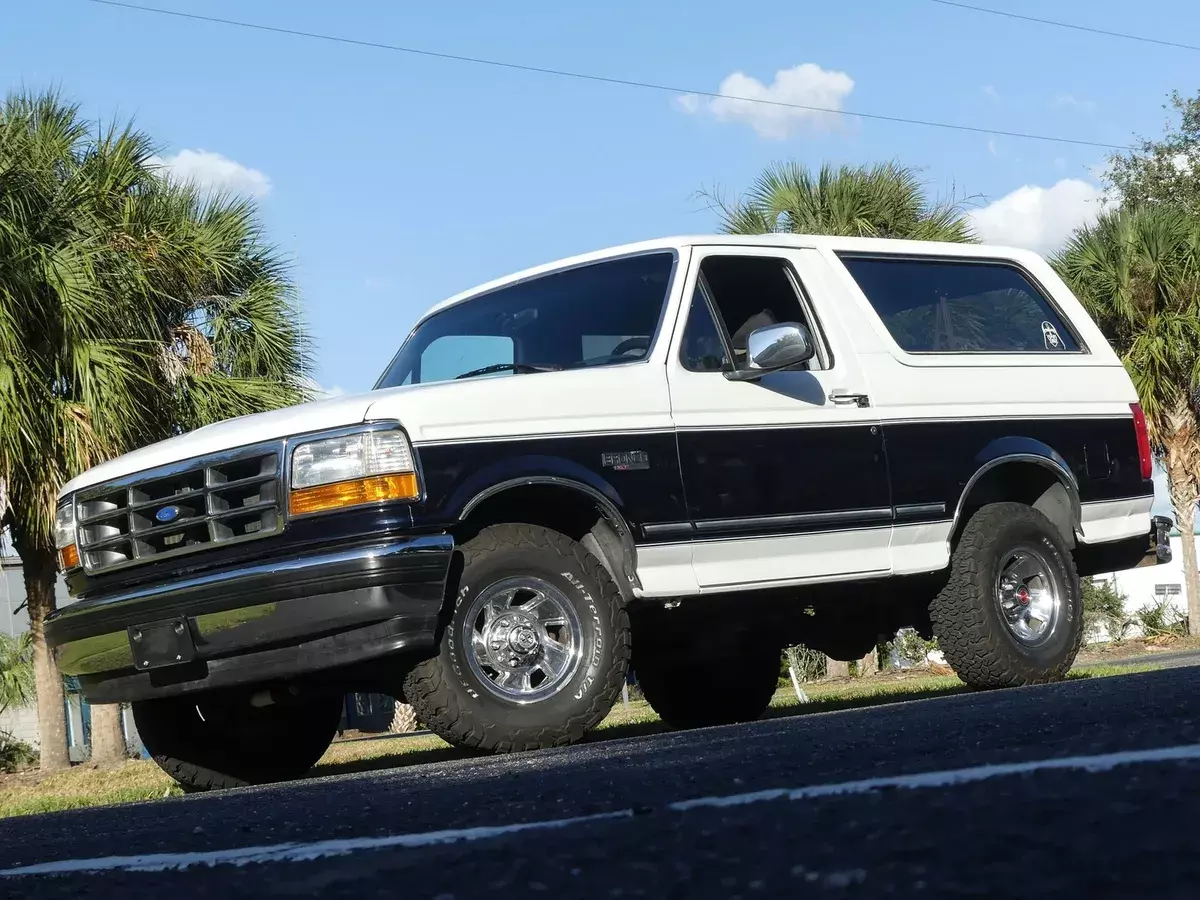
<point>156,645</point>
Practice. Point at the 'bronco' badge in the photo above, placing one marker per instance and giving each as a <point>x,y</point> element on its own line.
<point>625,460</point>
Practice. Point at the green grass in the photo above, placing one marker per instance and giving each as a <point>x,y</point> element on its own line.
<point>135,780</point>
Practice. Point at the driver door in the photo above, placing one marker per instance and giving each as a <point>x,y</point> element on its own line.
<point>785,478</point>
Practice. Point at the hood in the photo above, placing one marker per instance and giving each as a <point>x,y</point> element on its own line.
<point>239,432</point>
<point>619,398</point>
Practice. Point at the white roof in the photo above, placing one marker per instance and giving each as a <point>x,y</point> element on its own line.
<point>681,242</point>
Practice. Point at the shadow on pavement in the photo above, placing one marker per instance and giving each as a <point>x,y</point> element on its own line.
<point>401,759</point>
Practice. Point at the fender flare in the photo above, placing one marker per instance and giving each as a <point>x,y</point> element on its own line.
<point>1022,450</point>
<point>608,510</point>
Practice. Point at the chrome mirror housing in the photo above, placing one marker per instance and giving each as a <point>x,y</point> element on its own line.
<point>773,348</point>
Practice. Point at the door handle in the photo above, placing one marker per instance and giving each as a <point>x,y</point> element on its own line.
<point>849,398</point>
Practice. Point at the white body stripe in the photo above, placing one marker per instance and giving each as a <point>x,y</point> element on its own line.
<point>815,558</point>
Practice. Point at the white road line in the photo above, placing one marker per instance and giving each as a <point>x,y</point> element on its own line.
<point>950,777</point>
<point>241,856</point>
<point>301,852</point>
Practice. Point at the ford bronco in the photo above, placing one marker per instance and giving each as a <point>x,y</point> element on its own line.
<point>679,455</point>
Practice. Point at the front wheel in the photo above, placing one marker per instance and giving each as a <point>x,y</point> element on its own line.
<point>1011,613</point>
<point>230,739</point>
<point>535,651</point>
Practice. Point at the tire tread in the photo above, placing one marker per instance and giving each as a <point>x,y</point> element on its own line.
<point>978,652</point>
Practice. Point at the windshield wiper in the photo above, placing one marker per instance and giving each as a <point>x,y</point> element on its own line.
<point>517,368</point>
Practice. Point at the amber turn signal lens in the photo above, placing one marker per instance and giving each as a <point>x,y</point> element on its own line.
<point>359,491</point>
<point>69,557</point>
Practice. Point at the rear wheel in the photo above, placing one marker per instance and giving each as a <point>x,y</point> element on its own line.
<point>229,739</point>
<point>695,693</point>
<point>535,651</point>
<point>1011,612</point>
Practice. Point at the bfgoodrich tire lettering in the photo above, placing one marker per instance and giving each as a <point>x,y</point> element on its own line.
<point>968,615</point>
<point>459,693</point>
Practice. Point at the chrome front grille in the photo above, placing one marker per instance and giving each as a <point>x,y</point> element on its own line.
<point>184,508</point>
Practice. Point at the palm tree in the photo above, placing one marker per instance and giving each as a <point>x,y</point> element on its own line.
<point>132,308</point>
<point>404,719</point>
<point>16,671</point>
<point>886,200</point>
<point>1138,273</point>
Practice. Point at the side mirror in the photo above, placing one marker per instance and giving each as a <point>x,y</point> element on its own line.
<point>773,348</point>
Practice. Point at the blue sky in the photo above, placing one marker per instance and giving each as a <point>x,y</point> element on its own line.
<point>395,180</point>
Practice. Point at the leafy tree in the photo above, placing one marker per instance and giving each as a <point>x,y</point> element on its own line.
<point>1162,171</point>
<point>885,200</point>
<point>132,309</point>
<point>1137,270</point>
<point>1104,609</point>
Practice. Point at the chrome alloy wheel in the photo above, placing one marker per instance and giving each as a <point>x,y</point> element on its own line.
<point>1029,595</point>
<point>523,639</point>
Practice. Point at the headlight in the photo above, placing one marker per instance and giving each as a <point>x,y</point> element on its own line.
<point>64,535</point>
<point>352,470</point>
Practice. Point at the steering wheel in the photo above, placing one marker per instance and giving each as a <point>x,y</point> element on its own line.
<point>633,343</point>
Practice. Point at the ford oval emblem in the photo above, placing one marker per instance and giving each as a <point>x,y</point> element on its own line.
<point>168,514</point>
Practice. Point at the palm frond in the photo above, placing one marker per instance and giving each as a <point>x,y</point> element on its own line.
<point>886,200</point>
<point>110,275</point>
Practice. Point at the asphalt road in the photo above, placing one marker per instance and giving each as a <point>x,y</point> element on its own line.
<point>1084,789</point>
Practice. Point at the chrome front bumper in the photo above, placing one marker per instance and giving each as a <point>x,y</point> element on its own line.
<point>269,619</point>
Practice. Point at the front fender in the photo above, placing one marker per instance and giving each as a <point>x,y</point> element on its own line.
<point>529,469</point>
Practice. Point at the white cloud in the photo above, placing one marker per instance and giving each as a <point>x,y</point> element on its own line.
<point>1185,162</point>
<point>804,85</point>
<point>1070,101</point>
<point>991,91</point>
<point>1039,218</point>
<point>212,171</point>
<point>323,393</point>
<point>992,147</point>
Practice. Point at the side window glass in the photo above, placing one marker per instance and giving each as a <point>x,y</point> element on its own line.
<point>450,356</point>
<point>751,292</point>
<point>940,306</point>
<point>703,350</point>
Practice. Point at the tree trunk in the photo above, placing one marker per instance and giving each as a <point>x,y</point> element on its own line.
<point>1191,577</point>
<point>837,668</point>
<point>869,664</point>
<point>40,573</point>
<point>108,741</point>
<point>404,719</point>
<point>1181,484</point>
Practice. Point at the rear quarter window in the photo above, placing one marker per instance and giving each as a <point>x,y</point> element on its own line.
<point>960,306</point>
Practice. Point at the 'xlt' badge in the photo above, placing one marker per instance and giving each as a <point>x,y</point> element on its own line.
<point>625,460</point>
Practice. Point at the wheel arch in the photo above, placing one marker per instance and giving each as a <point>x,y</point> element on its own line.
<point>579,510</point>
<point>1026,471</point>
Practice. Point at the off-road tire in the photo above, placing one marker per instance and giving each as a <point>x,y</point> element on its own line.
<point>229,743</point>
<point>966,616</point>
<point>696,693</point>
<point>451,700</point>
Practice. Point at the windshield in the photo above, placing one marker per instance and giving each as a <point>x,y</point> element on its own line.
<point>601,314</point>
